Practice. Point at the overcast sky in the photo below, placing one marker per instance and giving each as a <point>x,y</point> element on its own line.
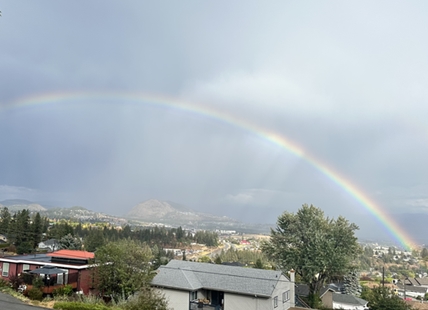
<point>344,81</point>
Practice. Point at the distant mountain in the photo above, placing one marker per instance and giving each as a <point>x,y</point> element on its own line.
<point>20,204</point>
<point>154,210</point>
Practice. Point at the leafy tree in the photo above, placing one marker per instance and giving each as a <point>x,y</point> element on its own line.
<point>383,298</point>
<point>317,248</point>
<point>123,268</point>
<point>424,253</point>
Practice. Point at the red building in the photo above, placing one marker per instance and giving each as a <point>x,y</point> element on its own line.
<point>71,267</point>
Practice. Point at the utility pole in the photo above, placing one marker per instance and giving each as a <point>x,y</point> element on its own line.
<point>383,276</point>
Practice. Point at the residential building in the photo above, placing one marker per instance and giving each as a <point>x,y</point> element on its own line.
<point>75,267</point>
<point>49,245</point>
<point>192,285</point>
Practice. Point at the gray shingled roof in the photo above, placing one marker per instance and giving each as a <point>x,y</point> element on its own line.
<point>412,288</point>
<point>349,299</point>
<point>192,276</point>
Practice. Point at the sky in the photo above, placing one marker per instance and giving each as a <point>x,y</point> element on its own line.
<point>343,82</point>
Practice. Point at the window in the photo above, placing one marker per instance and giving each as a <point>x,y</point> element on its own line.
<point>285,296</point>
<point>193,295</point>
<point>275,301</point>
<point>25,267</point>
<point>5,271</point>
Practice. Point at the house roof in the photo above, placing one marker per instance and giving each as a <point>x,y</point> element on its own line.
<point>41,260</point>
<point>303,290</point>
<point>412,288</point>
<point>348,299</point>
<point>50,242</point>
<point>73,254</point>
<point>422,281</point>
<point>191,276</point>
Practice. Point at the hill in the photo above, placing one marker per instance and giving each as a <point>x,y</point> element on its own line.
<point>20,204</point>
<point>154,210</point>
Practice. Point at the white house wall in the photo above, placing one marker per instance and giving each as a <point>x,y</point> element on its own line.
<point>242,302</point>
<point>282,286</point>
<point>177,300</point>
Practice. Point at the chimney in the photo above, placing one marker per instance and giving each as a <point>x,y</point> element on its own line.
<point>292,288</point>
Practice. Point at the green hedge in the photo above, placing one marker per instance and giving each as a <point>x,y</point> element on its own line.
<point>68,305</point>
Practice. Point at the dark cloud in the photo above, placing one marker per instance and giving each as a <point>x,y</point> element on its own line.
<point>345,82</point>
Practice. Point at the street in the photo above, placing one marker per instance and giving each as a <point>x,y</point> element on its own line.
<point>8,302</point>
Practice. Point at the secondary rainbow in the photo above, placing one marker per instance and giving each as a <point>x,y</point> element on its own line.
<point>280,140</point>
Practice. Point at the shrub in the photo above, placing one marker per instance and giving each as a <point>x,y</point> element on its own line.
<point>38,282</point>
<point>63,291</point>
<point>4,283</point>
<point>35,294</point>
<point>15,281</point>
<point>67,305</point>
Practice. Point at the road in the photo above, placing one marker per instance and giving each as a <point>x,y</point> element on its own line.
<point>8,302</point>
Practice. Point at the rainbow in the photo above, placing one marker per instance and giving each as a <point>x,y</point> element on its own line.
<point>278,139</point>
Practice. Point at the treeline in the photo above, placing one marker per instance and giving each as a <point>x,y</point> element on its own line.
<point>245,257</point>
<point>25,232</point>
<point>162,237</point>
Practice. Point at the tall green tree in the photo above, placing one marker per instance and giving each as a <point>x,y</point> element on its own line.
<point>5,219</point>
<point>94,240</point>
<point>123,268</point>
<point>36,230</point>
<point>316,247</point>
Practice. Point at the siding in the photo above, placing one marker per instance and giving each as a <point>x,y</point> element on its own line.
<point>177,300</point>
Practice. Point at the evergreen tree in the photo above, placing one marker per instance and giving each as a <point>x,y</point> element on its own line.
<point>36,229</point>
<point>351,284</point>
<point>69,242</point>
<point>94,240</point>
<point>5,219</point>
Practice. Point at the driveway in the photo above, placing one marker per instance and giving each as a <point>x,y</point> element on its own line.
<point>8,302</point>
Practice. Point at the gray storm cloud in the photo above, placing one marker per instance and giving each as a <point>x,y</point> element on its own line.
<point>344,81</point>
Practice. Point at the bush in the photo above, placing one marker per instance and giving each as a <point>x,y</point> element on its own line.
<point>146,299</point>
<point>35,294</point>
<point>66,305</point>
<point>4,283</point>
<point>63,291</point>
<point>15,282</point>
<point>38,282</point>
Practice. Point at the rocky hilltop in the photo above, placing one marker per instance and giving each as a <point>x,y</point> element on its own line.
<point>20,204</point>
<point>164,211</point>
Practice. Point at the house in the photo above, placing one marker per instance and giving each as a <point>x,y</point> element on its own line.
<point>348,302</point>
<point>75,267</point>
<point>302,290</point>
<point>49,245</point>
<point>334,300</point>
<point>192,285</point>
<point>411,290</point>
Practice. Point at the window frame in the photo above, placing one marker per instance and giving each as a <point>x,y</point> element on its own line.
<point>4,273</point>
<point>275,302</point>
